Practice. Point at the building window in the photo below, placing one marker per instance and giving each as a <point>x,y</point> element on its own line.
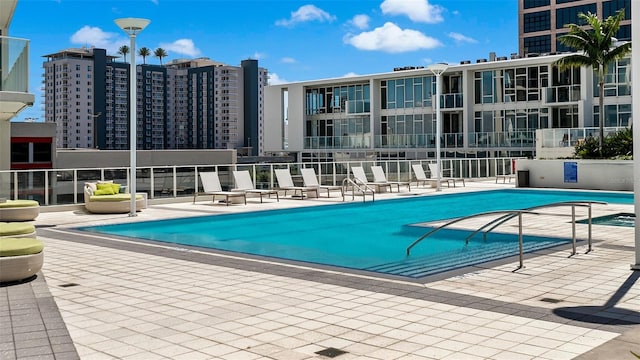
<point>609,8</point>
<point>569,15</point>
<point>537,21</point>
<point>529,4</point>
<point>537,44</point>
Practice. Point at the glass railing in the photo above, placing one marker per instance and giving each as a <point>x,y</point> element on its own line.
<point>557,94</point>
<point>451,101</point>
<point>508,139</point>
<point>570,137</point>
<point>338,142</point>
<point>14,64</point>
<point>65,186</point>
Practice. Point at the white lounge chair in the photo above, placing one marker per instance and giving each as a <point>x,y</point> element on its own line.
<point>420,176</point>
<point>361,178</point>
<point>285,182</point>
<point>433,169</point>
<point>244,183</point>
<point>311,180</point>
<point>380,177</point>
<point>211,186</point>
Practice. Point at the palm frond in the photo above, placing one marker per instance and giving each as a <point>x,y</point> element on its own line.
<point>574,60</point>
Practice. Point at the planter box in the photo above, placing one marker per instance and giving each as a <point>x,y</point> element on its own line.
<point>578,174</point>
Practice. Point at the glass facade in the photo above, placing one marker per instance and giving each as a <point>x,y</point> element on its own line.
<point>617,79</point>
<point>537,44</point>
<point>529,4</point>
<point>353,99</point>
<point>615,115</point>
<point>609,8</point>
<point>569,15</point>
<point>411,92</point>
<point>510,85</point>
<point>537,21</point>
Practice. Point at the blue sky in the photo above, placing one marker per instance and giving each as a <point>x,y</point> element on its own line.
<point>295,40</point>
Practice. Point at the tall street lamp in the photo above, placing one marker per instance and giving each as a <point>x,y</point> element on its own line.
<point>132,26</point>
<point>635,83</point>
<point>437,70</point>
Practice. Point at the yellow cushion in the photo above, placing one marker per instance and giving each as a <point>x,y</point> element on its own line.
<point>114,197</point>
<point>104,189</point>
<point>15,228</point>
<point>20,246</point>
<point>18,203</point>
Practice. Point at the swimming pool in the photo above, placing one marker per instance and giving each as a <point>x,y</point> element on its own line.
<point>367,236</point>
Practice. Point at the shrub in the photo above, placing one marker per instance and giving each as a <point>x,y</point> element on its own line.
<point>617,146</point>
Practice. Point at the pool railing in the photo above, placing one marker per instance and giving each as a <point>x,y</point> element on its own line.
<point>65,186</point>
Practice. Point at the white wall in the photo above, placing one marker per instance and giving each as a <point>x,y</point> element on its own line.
<point>591,174</point>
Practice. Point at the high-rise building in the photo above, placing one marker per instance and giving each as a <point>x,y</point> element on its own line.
<point>542,22</point>
<point>185,104</point>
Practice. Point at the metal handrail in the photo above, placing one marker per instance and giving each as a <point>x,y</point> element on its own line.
<point>516,212</point>
<point>581,203</point>
<point>361,187</point>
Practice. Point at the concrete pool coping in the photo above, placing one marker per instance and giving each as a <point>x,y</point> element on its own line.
<point>493,291</point>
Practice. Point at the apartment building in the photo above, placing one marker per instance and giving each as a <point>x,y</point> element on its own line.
<point>489,108</point>
<point>185,104</point>
<point>541,22</point>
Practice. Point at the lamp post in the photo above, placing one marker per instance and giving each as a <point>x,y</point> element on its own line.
<point>635,83</point>
<point>437,70</point>
<point>132,26</point>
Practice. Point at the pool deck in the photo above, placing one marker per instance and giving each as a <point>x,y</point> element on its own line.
<point>100,297</point>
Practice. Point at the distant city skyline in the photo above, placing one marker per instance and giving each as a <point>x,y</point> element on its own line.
<point>295,40</point>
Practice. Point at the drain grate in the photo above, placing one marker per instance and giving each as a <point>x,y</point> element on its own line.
<point>69,285</point>
<point>331,352</point>
<point>551,300</point>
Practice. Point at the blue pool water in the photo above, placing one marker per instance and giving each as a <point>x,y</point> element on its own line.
<point>369,236</point>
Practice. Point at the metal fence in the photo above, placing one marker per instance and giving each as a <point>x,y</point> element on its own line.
<point>65,186</point>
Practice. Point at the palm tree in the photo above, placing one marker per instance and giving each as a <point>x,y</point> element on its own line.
<point>124,50</point>
<point>144,52</point>
<point>160,53</point>
<point>599,48</point>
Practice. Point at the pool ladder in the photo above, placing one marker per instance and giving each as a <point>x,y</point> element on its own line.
<point>362,189</point>
<point>510,214</point>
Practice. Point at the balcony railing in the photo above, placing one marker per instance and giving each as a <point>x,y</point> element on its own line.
<point>65,186</point>
<point>508,139</point>
<point>451,101</point>
<point>559,94</point>
<point>14,64</point>
<point>570,137</point>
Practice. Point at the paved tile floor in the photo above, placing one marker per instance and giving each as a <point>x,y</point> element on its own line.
<point>129,300</point>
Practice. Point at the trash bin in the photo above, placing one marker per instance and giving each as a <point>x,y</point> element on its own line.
<point>523,178</point>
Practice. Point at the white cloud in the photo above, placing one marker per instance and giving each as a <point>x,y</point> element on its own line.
<point>306,13</point>
<point>288,60</point>
<point>94,36</point>
<point>274,79</point>
<point>416,10</point>
<point>392,39</point>
<point>350,74</point>
<point>258,55</point>
<point>459,38</point>
<point>181,46</point>
<point>360,21</point>
<point>155,1</point>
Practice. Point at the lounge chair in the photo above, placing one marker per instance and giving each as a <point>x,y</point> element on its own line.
<point>211,186</point>
<point>311,180</point>
<point>285,182</point>
<point>433,169</point>
<point>420,176</point>
<point>380,177</point>
<point>244,183</point>
<point>361,178</point>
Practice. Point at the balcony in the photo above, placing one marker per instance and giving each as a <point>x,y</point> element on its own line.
<point>14,77</point>
<point>562,94</point>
